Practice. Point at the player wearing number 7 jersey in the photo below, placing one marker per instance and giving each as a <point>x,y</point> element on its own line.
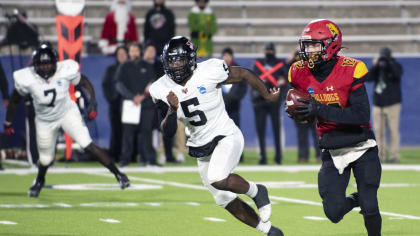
<point>47,82</point>
<point>190,91</point>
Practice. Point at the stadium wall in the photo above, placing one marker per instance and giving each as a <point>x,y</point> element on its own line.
<point>94,67</point>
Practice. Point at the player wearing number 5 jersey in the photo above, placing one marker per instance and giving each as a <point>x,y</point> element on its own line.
<point>47,82</point>
<point>190,91</point>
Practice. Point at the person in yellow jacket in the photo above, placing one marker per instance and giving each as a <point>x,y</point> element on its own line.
<point>202,24</point>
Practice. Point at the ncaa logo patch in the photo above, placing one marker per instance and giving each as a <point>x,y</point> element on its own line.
<point>202,90</point>
<point>311,90</point>
<point>59,83</point>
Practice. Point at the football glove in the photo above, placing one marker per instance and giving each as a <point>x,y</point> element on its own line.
<point>92,110</point>
<point>311,108</point>
<point>8,129</point>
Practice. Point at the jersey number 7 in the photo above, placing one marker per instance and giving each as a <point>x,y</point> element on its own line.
<point>54,94</point>
<point>193,101</point>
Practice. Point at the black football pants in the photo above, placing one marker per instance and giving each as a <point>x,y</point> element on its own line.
<point>261,112</point>
<point>115,141</point>
<point>332,188</point>
<point>303,131</point>
<point>144,133</point>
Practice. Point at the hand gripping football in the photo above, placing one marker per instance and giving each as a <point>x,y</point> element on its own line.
<point>292,101</point>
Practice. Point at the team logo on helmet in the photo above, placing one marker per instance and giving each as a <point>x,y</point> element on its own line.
<point>190,44</point>
<point>333,29</point>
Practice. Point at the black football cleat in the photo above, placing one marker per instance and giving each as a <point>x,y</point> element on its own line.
<point>123,180</point>
<point>36,187</point>
<point>263,203</point>
<point>274,231</point>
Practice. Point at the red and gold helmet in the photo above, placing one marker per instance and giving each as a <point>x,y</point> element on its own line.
<point>321,31</point>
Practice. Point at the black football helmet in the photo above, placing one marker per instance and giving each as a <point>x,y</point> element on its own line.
<point>44,60</point>
<point>179,58</point>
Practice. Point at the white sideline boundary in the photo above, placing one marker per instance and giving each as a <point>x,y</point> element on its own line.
<point>283,199</point>
<point>285,168</point>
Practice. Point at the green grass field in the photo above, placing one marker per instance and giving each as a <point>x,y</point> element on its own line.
<point>168,202</point>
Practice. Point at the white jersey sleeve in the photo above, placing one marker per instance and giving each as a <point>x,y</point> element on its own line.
<point>22,81</point>
<point>154,90</point>
<point>218,70</point>
<point>69,69</point>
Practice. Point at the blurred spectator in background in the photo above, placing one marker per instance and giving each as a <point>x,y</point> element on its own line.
<point>133,79</point>
<point>303,129</point>
<point>114,101</point>
<point>273,72</point>
<point>386,74</point>
<point>119,27</point>
<point>202,24</point>
<point>159,25</point>
<point>233,93</point>
<point>134,51</point>
<point>4,87</point>
<point>20,32</point>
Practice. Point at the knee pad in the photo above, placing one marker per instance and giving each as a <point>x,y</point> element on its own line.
<point>334,212</point>
<point>45,160</point>
<point>223,198</point>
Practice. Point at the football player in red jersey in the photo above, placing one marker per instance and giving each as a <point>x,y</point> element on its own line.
<point>340,104</point>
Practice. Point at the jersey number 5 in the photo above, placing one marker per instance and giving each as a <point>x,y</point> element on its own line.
<point>193,101</point>
<point>54,94</point>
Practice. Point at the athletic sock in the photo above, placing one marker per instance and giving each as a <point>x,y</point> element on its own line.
<point>253,190</point>
<point>111,167</point>
<point>42,171</point>
<point>264,227</point>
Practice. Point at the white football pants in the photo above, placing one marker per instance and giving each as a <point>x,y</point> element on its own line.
<point>220,164</point>
<point>47,132</point>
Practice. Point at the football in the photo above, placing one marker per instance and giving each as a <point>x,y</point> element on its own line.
<point>292,101</point>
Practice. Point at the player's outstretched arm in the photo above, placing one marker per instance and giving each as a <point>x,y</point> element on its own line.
<point>169,125</point>
<point>237,74</point>
<point>15,99</point>
<point>93,106</point>
<point>87,86</point>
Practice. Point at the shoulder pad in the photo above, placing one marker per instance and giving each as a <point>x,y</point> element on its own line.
<point>348,61</point>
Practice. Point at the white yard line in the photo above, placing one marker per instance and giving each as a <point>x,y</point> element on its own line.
<point>288,168</point>
<point>104,172</point>
<point>283,199</point>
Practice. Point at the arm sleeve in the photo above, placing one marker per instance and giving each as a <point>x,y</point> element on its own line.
<point>119,85</point>
<point>289,75</point>
<point>146,30</point>
<point>4,85</point>
<point>357,112</point>
<point>193,22</point>
<point>170,125</point>
<point>71,70</point>
<point>172,25</point>
<point>211,26</point>
<point>124,91</point>
<point>396,69</point>
<point>20,86</point>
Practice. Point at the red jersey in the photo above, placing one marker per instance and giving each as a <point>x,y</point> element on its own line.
<point>334,90</point>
